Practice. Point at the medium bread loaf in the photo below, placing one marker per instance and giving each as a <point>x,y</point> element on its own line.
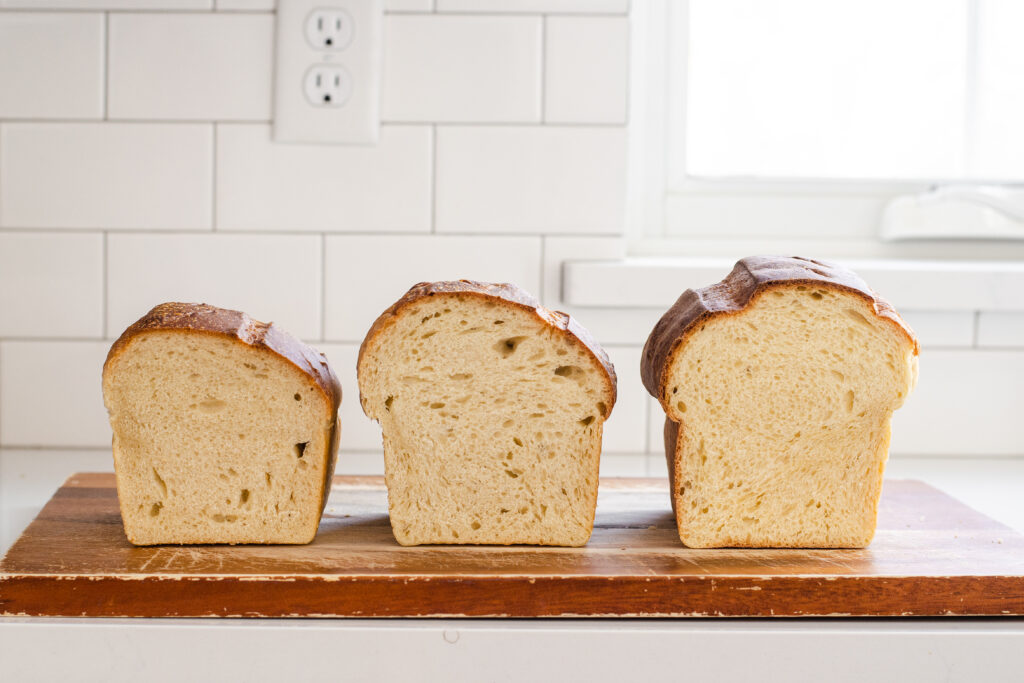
<point>225,428</point>
<point>492,410</point>
<point>778,385</point>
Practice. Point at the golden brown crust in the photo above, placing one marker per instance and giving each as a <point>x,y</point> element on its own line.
<point>671,433</point>
<point>749,278</point>
<point>206,319</point>
<point>510,294</point>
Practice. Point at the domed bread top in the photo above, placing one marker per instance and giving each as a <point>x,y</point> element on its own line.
<point>235,324</point>
<point>750,277</point>
<point>511,295</point>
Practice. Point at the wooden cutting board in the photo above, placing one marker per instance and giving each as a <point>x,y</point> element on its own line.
<point>932,556</point>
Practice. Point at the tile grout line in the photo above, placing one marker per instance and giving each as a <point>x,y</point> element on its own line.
<point>106,66</point>
<point>543,68</point>
<point>323,286</point>
<point>213,179</point>
<point>433,179</point>
<point>543,274</point>
<point>105,260</point>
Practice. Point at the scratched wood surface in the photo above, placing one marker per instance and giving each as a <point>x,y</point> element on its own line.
<point>932,556</point>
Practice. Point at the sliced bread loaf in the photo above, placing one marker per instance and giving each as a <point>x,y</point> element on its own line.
<point>225,428</point>
<point>778,385</point>
<point>492,410</point>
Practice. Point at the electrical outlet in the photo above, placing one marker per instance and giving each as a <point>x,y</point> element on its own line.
<point>327,85</point>
<point>327,72</point>
<point>329,29</point>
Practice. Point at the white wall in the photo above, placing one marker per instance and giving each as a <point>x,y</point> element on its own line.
<point>136,166</point>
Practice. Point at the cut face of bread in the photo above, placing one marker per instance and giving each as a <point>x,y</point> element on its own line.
<point>492,411</point>
<point>219,435</point>
<point>779,393</point>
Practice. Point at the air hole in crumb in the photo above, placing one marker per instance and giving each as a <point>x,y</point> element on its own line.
<point>459,376</point>
<point>511,474</point>
<point>388,402</point>
<point>297,396</point>
<point>211,405</point>
<point>569,371</point>
<point>587,420</point>
<point>300,449</point>
<point>506,347</point>
<point>499,322</point>
<point>268,478</point>
<point>436,404</point>
<point>155,510</point>
<point>602,408</point>
<point>848,401</point>
<point>504,510</point>
<point>681,406</point>
<point>816,295</point>
<point>244,498</point>
<point>475,526</point>
<point>517,441</point>
<point>160,482</point>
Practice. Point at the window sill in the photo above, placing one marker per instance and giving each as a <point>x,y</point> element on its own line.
<point>912,284</point>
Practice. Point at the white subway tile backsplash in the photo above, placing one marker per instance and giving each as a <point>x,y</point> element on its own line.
<point>623,465</point>
<point>50,393</point>
<point>266,186</point>
<point>408,5</point>
<point>367,274</point>
<point>358,432</point>
<point>51,79</point>
<point>51,285</point>
<point>536,6</point>
<point>608,325</point>
<point>1001,329</point>
<point>626,429</point>
<point>360,463</point>
<point>558,250</point>
<point>941,328</point>
<point>530,179</point>
<point>271,277</point>
<point>270,5</point>
<point>109,4</point>
<point>655,426</point>
<point>190,66</point>
<point>966,402</point>
<point>586,69</point>
<point>106,175</point>
<point>245,5</point>
<point>461,68</point>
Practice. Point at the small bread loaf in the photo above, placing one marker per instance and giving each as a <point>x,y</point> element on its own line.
<point>492,410</point>
<point>225,428</point>
<point>778,385</point>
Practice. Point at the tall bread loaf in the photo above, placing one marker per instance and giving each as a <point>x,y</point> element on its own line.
<point>778,385</point>
<point>225,428</point>
<point>492,409</point>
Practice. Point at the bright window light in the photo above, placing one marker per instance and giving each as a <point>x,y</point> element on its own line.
<point>866,89</point>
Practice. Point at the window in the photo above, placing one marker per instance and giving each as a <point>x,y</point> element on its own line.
<point>805,119</point>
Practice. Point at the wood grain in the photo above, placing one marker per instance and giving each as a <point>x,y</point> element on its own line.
<point>932,556</point>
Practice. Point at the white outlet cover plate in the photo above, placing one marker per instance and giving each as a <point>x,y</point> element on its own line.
<point>296,118</point>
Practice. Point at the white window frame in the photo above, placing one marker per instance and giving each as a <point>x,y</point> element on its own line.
<point>660,186</point>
